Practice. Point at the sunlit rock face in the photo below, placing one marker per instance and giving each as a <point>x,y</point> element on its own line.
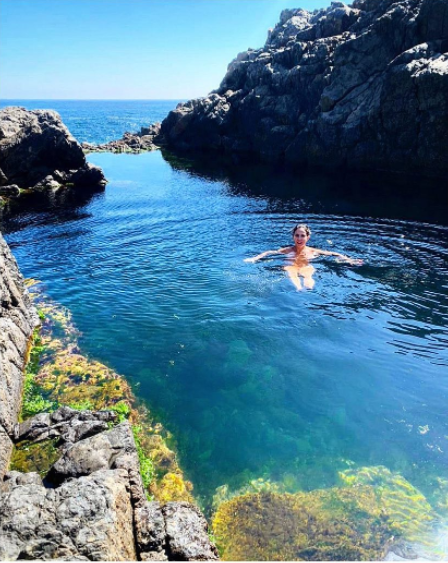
<point>37,151</point>
<point>362,86</point>
<point>17,321</point>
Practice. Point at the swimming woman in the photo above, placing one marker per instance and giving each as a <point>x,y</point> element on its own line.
<point>299,256</point>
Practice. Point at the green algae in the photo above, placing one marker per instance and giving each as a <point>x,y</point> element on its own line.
<point>39,456</point>
<point>356,521</point>
<point>34,400</point>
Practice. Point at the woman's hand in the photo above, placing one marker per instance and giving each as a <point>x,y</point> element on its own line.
<point>355,261</point>
<point>250,260</point>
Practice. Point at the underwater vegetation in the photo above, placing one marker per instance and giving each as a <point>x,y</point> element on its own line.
<point>58,374</point>
<point>358,520</point>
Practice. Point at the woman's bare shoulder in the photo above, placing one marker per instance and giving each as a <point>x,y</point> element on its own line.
<point>286,249</point>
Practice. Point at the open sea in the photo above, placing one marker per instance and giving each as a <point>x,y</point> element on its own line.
<point>253,378</point>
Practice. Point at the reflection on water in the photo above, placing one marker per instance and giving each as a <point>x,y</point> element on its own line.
<point>255,379</point>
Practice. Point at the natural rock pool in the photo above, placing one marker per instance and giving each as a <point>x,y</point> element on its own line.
<point>255,379</point>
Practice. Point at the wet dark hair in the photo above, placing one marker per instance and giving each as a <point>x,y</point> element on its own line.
<point>302,226</point>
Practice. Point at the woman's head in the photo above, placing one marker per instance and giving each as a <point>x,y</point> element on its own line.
<point>301,234</point>
<point>303,227</point>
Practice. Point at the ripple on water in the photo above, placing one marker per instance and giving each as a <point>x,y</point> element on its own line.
<point>256,379</point>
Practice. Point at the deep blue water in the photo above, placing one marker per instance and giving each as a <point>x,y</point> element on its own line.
<point>100,121</point>
<point>254,378</point>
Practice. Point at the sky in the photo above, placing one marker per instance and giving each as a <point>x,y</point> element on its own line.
<point>128,49</point>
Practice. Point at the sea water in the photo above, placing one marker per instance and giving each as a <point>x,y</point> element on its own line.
<point>255,379</point>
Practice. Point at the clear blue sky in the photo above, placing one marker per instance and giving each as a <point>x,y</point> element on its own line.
<point>128,49</point>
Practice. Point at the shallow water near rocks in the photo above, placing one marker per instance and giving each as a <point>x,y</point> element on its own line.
<point>255,379</point>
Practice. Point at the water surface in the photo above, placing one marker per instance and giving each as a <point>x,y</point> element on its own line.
<point>254,378</point>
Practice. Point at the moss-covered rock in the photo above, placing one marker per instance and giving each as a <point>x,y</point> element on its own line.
<point>60,375</point>
<point>38,457</point>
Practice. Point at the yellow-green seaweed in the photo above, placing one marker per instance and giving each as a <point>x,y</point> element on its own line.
<point>356,521</point>
<point>60,375</point>
<point>38,456</point>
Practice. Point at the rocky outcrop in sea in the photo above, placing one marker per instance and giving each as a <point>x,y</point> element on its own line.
<point>92,502</point>
<point>147,139</point>
<point>363,86</point>
<point>38,154</point>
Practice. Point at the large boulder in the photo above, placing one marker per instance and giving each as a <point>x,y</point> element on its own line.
<point>37,150</point>
<point>89,518</point>
<point>362,86</point>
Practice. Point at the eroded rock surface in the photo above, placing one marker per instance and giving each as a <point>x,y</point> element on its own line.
<point>363,86</point>
<point>186,533</point>
<point>38,152</point>
<point>90,517</point>
<point>95,453</point>
<point>69,424</point>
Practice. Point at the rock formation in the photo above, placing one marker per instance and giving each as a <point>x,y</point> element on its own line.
<point>147,139</point>
<point>18,318</point>
<point>92,504</point>
<point>38,153</point>
<point>362,86</point>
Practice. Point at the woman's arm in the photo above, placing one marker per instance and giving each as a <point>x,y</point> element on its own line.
<point>353,261</point>
<point>267,253</point>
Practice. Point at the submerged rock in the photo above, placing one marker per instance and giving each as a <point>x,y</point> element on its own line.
<point>38,152</point>
<point>357,521</point>
<point>362,86</point>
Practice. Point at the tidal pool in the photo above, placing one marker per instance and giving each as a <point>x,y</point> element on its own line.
<point>256,380</point>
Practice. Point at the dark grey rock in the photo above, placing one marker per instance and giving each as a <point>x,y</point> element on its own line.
<point>10,191</point>
<point>148,139</point>
<point>14,479</point>
<point>69,424</point>
<point>87,518</point>
<point>95,453</point>
<point>35,144</point>
<point>88,176</point>
<point>130,463</point>
<point>153,556</point>
<point>362,86</point>
<point>150,528</point>
<point>33,427</point>
<point>186,533</point>
<point>18,318</point>
<point>3,178</point>
<point>63,414</point>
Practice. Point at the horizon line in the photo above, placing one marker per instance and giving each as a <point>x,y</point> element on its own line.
<point>96,99</point>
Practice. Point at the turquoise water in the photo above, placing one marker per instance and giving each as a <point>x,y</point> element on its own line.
<point>254,378</point>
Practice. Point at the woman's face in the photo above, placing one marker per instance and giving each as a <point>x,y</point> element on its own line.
<point>300,237</point>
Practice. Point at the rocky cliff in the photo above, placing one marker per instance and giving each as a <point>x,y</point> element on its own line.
<point>362,86</point>
<point>92,503</point>
<point>18,318</point>
<point>38,153</point>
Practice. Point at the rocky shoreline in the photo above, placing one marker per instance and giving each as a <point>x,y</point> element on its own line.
<point>38,155</point>
<point>87,498</point>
